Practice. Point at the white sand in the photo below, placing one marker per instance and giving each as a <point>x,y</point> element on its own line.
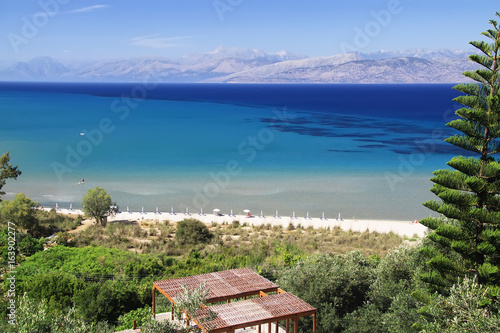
<point>402,228</point>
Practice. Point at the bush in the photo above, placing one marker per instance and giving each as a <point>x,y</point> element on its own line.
<point>334,284</point>
<point>28,245</point>
<point>467,309</point>
<point>107,301</point>
<point>192,232</point>
<point>140,315</point>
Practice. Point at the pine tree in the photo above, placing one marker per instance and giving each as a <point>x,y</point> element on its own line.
<point>7,171</point>
<point>469,191</point>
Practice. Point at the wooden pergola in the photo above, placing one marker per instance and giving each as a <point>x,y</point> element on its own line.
<point>238,283</point>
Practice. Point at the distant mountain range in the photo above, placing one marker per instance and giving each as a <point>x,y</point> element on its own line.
<point>239,65</point>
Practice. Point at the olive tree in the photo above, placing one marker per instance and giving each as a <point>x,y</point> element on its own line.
<point>97,204</point>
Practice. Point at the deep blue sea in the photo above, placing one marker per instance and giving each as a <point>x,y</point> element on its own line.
<point>366,151</point>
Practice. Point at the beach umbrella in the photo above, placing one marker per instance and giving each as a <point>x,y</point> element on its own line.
<point>156,209</point>
<point>293,214</point>
<point>276,214</point>
<point>323,217</point>
<point>261,214</point>
<point>231,213</point>
<point>307,215</point>
<point>70,206</point>
<point>216,210</point>
<point>246,211</point>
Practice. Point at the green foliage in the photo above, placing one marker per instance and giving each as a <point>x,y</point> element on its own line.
<point>33,317</point>
<point>97,204</point>
<point>397,274</point>
<point>56,288</point>
<point>7,171</point>
<point>140,315</point>
<point>87,276</point>
<point>334,284</point>
<point>468,308</point>
<point>21,212</point>
<point>365,319</point>
<point>29,245</point>
<point>192,231</point>
<point>106,302</point>
<point>25,244</point>
<point>153,326</point>
<point>50,221</point>
<point>192,302</point>
<point>469,194</point>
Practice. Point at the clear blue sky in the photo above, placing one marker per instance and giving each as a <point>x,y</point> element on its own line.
<point>93,29</point>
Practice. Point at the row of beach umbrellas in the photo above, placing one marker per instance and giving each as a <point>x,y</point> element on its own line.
<point>216,211</point>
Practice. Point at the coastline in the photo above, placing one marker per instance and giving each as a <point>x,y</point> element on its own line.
<point>401,228</point>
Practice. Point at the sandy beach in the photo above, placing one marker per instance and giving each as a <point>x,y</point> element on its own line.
<point>402,228</point>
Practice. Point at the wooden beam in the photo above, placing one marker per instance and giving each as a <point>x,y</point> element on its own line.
<point>269,327</point>
<point>314,323</point>
<point>288,325</point>
<point>295,326</point>
<point>258,330</point>
<point>154,302</point>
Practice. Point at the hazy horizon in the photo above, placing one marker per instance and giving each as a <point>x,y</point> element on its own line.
<point>93,30</point>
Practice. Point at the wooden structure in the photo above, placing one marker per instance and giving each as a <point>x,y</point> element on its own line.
<point>239,283</point>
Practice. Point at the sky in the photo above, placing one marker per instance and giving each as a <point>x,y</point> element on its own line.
<point>82,30</point>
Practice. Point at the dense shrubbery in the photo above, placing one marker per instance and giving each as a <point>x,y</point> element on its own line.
<point>353,292</point>
<point>192,232</point>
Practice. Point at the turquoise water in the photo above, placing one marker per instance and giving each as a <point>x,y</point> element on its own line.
<point>201,147</point>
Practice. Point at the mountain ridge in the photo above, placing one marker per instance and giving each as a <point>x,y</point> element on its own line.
<point>240,65</point>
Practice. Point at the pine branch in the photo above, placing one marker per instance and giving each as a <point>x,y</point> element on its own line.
<point>483,60</point>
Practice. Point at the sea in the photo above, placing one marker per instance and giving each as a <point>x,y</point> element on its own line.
<point>362,151</point>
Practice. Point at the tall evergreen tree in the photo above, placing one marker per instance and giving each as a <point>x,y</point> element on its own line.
<point>469,191</point>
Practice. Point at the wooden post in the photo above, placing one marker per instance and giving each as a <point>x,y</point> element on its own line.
<point>269,328</point>
<point>154,303</point>
<point>258,331</point>
<point>288,325</point>
<point>295,326</point>
<point>314,322</point>
<point>172,312</point>
<point>277,327</point>
<point>134,325</point>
